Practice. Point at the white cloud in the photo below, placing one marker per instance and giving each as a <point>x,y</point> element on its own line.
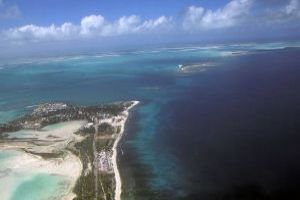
<point>127,24</point>
<point>230,15</point>
<point>97,25</point>
<point>161,22</point>
<point>36,33</point>
<point>90,26</point>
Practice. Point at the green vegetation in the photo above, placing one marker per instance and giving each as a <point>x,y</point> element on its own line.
<point>44,116</point>
<point>108,182</point>
<point>86,131</point>
<point>105,129</point>
<point>84,188</point>
<point>46,155</point>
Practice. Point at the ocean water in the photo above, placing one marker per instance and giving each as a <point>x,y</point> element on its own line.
<point>229,132</point>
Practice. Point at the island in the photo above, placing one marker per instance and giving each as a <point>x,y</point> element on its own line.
<point>195,67</point>
<point>76,143</point>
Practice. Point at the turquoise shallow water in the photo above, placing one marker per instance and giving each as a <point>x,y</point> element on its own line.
<point>6,116</point>
<point>6,155</point>
<point>40,187</point>
<point>179,136</point>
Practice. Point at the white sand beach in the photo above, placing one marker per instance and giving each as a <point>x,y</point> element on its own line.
<point>118,189</point>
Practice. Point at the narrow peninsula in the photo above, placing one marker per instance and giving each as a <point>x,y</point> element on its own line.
<point>76,144</point>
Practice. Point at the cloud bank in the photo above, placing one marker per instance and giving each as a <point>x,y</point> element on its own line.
<point>196,19</point>
<point>90,26</point>
<point>232,14</point>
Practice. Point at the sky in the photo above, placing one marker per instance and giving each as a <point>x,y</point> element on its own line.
<point>35,26</point>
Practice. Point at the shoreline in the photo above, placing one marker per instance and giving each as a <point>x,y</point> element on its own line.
<point>118,189</point>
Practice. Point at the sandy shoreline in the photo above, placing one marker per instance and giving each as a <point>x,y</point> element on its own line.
<point>118,189</point>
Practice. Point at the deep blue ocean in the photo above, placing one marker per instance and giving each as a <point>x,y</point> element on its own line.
<point>231,131</point>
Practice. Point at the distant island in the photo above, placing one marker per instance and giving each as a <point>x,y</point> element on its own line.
<point>75,142</point>
<point>195,67</point>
